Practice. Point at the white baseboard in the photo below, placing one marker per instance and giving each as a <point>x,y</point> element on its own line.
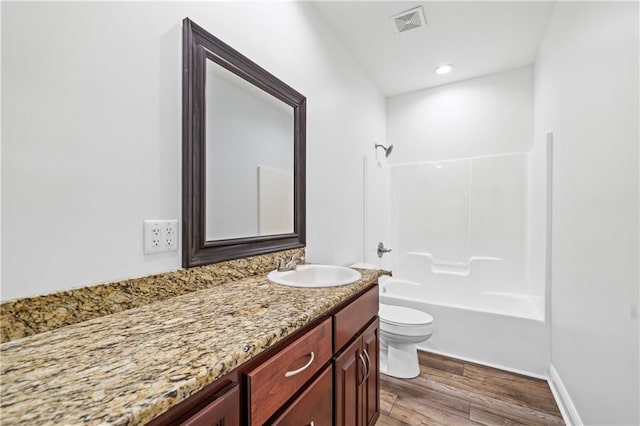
<point>567,409</point>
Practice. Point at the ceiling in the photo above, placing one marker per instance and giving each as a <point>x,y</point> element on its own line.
<point>478,37</point>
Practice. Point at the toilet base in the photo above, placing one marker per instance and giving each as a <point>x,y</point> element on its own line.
<point>399,359</point>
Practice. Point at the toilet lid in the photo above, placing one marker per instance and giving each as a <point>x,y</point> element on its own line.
<point>401,315</point>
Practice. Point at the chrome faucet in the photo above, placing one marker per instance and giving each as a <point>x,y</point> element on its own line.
<point>290,265</point>
<point>382,250</point>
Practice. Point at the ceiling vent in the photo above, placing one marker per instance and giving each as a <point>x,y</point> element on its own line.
<point>409,20</point>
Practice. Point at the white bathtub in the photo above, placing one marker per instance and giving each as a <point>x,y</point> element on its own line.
<point>500,329</point>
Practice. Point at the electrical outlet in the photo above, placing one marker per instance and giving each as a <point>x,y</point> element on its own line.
<point>170,235</point>
<point>160,236</point>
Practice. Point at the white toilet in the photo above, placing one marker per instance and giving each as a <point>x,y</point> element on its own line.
<point>401,329</point>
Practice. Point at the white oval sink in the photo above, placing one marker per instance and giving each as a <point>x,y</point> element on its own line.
<point>315,276</point>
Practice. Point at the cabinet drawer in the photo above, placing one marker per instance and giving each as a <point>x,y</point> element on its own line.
<point>223,411</point>
<point>353,317</point>
<point>314,406</point>
<point>277,379</point>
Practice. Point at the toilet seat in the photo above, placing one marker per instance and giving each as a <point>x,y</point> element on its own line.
<point>418,331</point>
<point>401,316</point>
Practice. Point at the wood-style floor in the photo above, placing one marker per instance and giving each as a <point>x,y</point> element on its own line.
<point>453,392</point>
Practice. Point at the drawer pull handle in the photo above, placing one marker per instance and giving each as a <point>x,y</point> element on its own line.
<point>301,369</point>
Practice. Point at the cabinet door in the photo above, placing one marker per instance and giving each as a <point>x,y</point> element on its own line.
<point>349,372</point>
<point>371,385</point>
<point>314,406</point>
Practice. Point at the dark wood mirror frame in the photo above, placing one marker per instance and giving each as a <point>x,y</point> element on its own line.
<point>198,46</point>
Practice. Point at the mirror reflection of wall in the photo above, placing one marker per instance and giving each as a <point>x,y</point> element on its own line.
<point>249,149</point>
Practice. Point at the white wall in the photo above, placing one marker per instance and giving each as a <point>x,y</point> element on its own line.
<point>91,134</point>
<point>0,158</point>
<point>586,93</point>
<point>482,116</point>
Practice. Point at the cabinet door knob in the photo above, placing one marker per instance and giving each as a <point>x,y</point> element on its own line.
<point>301,369</point>
<point>312,424</point>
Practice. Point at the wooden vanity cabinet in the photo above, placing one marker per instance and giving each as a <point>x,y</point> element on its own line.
<point>348,343</point>
<point>357,396</point>
<point>371,386</point>
<point>348,374</point>
<point>356,366</point>
<point>324,374</point>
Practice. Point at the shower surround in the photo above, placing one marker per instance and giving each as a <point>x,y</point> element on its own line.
<point>460,232</point>
<point>462,203</point>
<point>463,223</point>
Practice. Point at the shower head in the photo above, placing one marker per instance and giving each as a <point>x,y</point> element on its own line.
<point>387,150</point>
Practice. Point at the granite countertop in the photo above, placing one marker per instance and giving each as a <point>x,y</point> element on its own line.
<point>129,367</point>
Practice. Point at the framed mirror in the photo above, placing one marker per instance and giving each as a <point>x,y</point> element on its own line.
<point>243,190</point>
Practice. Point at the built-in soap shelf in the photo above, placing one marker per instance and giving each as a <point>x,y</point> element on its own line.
<point>461,268</point>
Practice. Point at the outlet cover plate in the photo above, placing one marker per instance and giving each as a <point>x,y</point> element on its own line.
<point>160,236</point>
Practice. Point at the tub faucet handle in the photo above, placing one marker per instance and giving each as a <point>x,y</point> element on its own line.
<point>382,250</point>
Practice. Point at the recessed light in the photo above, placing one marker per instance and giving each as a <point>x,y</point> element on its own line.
<point>444,69</point>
